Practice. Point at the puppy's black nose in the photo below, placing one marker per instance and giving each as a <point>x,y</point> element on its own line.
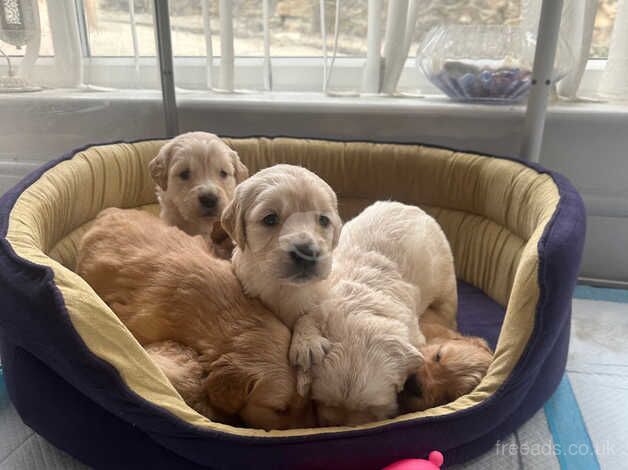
<point>208,200</point>
<point>304,255</point>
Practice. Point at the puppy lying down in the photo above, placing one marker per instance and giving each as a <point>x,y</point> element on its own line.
<point>453,365</point>
<point>392,263</point>
<point>165,286</point>
<point>182,366</point>
<point>196,174</point>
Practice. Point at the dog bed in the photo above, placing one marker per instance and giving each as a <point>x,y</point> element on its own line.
<point>78,377</point>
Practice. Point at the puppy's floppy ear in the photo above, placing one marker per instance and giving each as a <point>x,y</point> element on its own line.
<point>228,386</point>
<point>159,165</point>
<point>334,216</point>
<point>232,219</point>
<point>241,172</point>
<point>412,360</point>
<point>465,381</point>
<point>337,227</point>
<point>480,342</point>
<point>407,359</point>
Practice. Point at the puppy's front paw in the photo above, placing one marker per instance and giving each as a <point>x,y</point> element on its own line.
<point>304,381</point>
<point>308,350</point>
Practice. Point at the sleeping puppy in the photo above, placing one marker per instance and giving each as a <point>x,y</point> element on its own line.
<point>284,220</point>
<point>164,285</point>
<point>392,263</point>
<point>196,175</point>
<point>182,366</point>
<point>453,366</point>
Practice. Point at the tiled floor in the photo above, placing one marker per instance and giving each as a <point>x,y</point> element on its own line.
<point>597,379</point>
<point>598,371</point>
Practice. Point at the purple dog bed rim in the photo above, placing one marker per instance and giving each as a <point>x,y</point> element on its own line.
<point>559,250</point>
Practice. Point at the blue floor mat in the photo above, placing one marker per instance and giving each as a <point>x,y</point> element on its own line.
<point>601,293</point>
<point>572,443</point>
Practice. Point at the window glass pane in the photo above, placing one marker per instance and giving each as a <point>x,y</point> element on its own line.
<point>109,27</point>
<point>475,12</point>
<point>186,22</point>
<point>296,28</point>
<point>294,25</point>
<point>603,28</point>
<point>15,46</point>
<point>188,33</point>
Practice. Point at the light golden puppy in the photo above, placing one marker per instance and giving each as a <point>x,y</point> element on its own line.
<point>392,263</point>
<point>284,220</point>
<point>164,285</point>
<point>196,175</point>
<point>453,366</point>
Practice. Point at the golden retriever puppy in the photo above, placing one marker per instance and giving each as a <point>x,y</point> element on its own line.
<point>453,366</point>
<point>164,285</point>
<point>196,175</point>
<point>284,221</point>
<point>182,366</point>
<point>392,263</point>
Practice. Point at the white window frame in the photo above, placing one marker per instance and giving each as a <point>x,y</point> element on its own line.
<point>70,68</point>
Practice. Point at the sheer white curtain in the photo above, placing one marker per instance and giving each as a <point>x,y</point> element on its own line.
<point>577,32</point>
<point>614,83</point>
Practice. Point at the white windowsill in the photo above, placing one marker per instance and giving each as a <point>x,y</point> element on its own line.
<point>311,102</point>
<point>290,74</point>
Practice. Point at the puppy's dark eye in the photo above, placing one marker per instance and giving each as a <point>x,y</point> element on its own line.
<point>270,220</point>
<point>223,174</point>
<point>323,220</point>
<point>437,357</point>
<point>185,175</point>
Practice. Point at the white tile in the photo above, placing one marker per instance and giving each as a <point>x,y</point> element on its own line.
<point>603,401</point>
<point>504,456</point>
<point>37,454</point>
<point>599,338</point>
<point>539,454</point>
<point>598,371</point>
<point>13,432</point>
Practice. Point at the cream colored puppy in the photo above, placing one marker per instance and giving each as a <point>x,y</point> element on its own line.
<point>284,220</point>
<point>392,263</point>
<point>196,175</point>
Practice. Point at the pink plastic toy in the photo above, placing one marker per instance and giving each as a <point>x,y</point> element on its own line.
<point>435,460</point>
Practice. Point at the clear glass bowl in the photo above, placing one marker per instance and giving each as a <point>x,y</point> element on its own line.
<point>484,63</point>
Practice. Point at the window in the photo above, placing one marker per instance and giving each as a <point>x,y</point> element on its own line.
<point>295,25</point>
<point>123,29</point>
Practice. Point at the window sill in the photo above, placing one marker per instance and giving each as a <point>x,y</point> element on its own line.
<point>305,102</point>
